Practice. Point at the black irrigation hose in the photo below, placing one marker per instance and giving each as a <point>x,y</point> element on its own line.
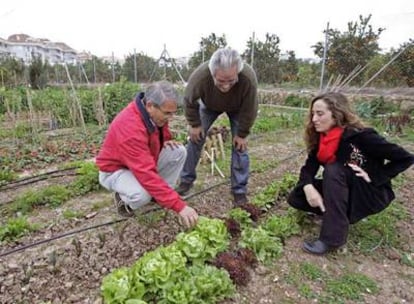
<point>34,179</point>
<point>59,236</point>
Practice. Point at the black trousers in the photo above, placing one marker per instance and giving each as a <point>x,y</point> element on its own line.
<point>335,190</point>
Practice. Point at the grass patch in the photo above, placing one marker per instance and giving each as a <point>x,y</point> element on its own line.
<point>379,230</point>
<point>351,286</point>
<point>16,228</point>
<point>53,196</point>
<point>71,214</point>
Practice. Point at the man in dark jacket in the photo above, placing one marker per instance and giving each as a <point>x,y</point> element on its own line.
<point>224,84</point>
<point>139,161</point>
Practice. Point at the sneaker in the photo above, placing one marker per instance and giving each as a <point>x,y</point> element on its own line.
<point>183,188</point>
<point>123,209</point>
<point>239,199</point>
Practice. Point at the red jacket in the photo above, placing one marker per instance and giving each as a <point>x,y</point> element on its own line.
<point>133,142</point>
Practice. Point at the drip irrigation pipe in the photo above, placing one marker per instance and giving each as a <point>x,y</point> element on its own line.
<point>59,236</point>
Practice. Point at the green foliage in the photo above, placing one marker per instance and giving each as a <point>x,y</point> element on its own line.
<point>209,237</point>
<point>266,198</point>
<point>275,190</point>
<point>70,214</point>
<point>116,96</point>
<point>297,101</point>
<point>352,48</point>
<point>308,74</point>
<point>351,286</point>
<point>37,72</point>
<point>116,287</point>
<point>266,58</point>
<point>145,65</point>
<point>311,271</point>
<point>282,226</point>
<point>208,45</point>
<point>174,274</point>
<point>375,106</point>
<point>262,243</point>
<point>53,196</point>
<point>405,62</point>
<point>7,175</point>
<point>289,67</point>
<point>408,259</point>
<point>199,284</point>
<point>241,216</point>
<point>378,230</point>
<point>87,181</point>
<point>15,228</point>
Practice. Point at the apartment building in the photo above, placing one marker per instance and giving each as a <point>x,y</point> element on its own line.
<point>26,48</point>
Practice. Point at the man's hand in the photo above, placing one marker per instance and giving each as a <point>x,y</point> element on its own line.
<point>240,143</point>
<point>313,197</point>
<point>172,144</point>
<point>196,134</point>
<point>189,216</point>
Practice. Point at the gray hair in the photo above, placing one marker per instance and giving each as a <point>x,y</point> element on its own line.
<point>161,91</point>
<point>225,58</point>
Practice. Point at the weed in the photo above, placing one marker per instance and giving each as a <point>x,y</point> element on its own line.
<point>53,196</point>
<point>70,214</point>
<point>88,179</point>
<point>351,286</point>
<point>378,230</point>
<point>7,175</point>
<point>16,228</point>
<point>311,271</point>
<point>306,291</point>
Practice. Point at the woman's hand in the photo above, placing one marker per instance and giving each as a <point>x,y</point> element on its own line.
<point>313,197</point>
<point>360,172</point>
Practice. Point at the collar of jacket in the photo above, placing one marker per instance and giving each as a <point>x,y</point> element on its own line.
<point>141,108</point>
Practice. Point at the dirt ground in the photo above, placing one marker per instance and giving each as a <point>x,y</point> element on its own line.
<point>70,269</point>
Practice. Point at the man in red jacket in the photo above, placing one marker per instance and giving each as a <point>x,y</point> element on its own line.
<point>139,161</point>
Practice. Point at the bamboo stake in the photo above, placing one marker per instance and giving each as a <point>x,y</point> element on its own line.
<point>76,99</point>
<point>100,113</point>
<point>383,68</point>
<point>31,114</point>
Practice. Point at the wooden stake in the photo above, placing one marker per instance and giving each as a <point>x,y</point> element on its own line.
<point>214,164</point>
<point>221,145</point>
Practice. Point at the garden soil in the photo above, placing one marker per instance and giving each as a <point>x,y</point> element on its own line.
<point>70,269</point>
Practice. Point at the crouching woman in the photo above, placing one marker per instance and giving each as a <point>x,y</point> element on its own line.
<point>358,165</point>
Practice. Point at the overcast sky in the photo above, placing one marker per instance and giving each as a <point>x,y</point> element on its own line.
<point>103,27</point>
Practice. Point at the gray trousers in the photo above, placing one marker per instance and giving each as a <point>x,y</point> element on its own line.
<point>169,166</point>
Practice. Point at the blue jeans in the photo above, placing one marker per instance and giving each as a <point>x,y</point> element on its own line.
<point>239,160</point>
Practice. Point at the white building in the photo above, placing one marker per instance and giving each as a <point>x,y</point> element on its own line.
<point>26,48</point>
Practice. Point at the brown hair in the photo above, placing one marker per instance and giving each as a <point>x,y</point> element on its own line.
<point>342,113</point>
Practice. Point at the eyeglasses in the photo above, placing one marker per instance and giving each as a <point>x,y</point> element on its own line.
<point>165,113</point>
<point>230,82</point>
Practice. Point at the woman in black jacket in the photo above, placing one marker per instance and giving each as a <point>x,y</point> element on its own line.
<point>358,165</point>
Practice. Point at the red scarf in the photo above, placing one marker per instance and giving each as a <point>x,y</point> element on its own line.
<point>328,144</point>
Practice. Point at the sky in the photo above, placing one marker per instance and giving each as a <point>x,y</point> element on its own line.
<point>120,27</point>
